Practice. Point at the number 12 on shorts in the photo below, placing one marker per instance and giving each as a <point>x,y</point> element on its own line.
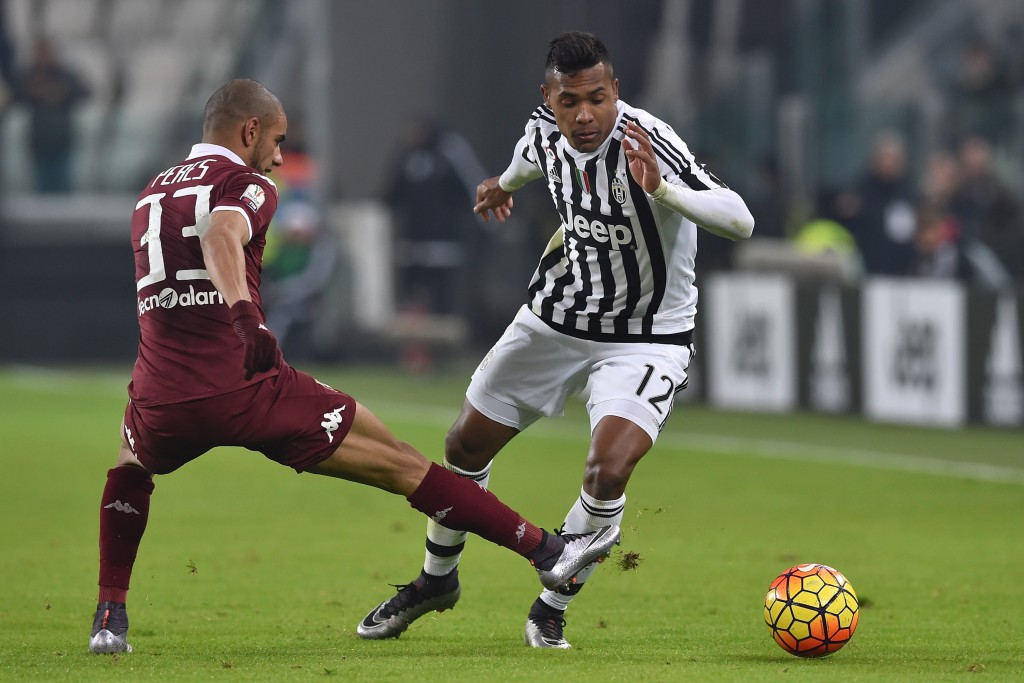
<point>659,384</point>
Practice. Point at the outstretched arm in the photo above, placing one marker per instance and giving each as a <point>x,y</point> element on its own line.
<point>494,195</point>
<point>719,210</point>
<point>492,199</point>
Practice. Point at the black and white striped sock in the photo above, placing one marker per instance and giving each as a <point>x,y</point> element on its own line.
<point>587,514</point>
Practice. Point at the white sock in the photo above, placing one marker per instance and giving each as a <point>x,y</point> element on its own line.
<point>587,514</point>
<point>444,545</point>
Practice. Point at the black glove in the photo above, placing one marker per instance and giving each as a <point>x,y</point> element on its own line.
<point>260,345</point>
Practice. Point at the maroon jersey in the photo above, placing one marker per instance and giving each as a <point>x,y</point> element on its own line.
<point>187,346</point>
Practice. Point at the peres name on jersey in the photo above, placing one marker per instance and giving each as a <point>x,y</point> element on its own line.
<point>183,173</point>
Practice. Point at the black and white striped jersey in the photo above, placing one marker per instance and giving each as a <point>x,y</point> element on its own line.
<point>621,266</point>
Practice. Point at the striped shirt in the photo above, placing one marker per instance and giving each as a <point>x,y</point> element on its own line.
<point>621,266</point>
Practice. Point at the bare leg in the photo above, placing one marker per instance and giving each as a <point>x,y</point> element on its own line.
<point>371,455</point>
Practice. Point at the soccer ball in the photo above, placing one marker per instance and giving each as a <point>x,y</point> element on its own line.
<point>811,609</point>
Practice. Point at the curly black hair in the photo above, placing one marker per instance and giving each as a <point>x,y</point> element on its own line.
<point>575,51</point>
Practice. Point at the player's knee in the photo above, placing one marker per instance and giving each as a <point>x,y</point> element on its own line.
<point>606,478</point>
<point>460,452</point>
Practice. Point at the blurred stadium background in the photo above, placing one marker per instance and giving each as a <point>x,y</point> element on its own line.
<point>855,129</point>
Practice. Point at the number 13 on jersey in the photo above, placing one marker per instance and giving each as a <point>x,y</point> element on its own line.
<point>151,239</point>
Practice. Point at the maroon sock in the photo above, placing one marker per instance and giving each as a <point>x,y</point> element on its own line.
<point>461,504</point>
<point>124,511</point>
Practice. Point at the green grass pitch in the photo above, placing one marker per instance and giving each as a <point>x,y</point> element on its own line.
<point>249,572</point>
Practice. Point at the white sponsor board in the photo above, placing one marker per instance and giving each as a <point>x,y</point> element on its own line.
<point>751,342</point>
<point>1003,390</point>
<point>829,368</point>
<point>915,352</point>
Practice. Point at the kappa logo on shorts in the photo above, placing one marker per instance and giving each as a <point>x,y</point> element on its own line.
<point>325,386</point>
<point>122,507</point>
<point>332,421</point>
<point>441,514</point>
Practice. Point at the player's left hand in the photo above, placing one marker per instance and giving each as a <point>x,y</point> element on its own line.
<point>643,165</point>
<point>261,352</point>
<point>491,199</point>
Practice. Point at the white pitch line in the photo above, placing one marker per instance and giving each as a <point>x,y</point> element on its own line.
<point>746,447</point>
<point>53,380</point>
<point>42,379</point>
<point>857,457</point>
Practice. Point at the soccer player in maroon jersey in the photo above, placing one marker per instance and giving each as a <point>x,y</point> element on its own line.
<point>209,373</point>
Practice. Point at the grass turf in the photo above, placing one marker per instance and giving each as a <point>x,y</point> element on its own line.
<point>250,572</point>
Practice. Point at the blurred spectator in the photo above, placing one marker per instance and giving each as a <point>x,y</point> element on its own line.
<point>826,234</point>
<point>989,214</point>
<point>432,193</point>
<point>941,179</point>
<point>767,201</point>
<point>297,268</point>
<point>937,244</point>
<point>6,49</point>
<point>881,213</point>
<point>50,90</point>
<point>981,95</point>
<point>300,173</point>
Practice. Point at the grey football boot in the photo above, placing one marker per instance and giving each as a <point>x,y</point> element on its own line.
<point>544,627</point>
<point>426,594</point>
<point>580,550</point>
<point>392,617</point>
<point>110,629</point>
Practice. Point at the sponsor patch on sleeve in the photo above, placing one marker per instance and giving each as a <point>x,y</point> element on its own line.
<point>254,196</point>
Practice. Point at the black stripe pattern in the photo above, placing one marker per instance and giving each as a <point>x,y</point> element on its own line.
<point>604,514</point>
<point>622,269</point>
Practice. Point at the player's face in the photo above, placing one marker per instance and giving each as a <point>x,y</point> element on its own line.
<point>583,104</point>
<point>266,153</point>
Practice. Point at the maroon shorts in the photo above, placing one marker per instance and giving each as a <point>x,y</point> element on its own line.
<point>291,418</point>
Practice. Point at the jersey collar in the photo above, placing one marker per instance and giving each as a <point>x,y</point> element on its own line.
<point>205,149</point>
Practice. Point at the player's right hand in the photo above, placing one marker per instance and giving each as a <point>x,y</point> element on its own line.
<point>490,198</point>
<point>261,352</point>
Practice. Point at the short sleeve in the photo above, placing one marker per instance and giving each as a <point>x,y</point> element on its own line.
<point>252,195</point>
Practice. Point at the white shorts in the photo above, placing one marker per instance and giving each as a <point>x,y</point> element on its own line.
<point>532,369</point>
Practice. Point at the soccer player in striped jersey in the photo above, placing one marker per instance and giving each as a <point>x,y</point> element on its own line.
<point>611,304</point>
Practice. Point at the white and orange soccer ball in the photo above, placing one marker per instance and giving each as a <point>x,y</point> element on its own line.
<point>812,610</point>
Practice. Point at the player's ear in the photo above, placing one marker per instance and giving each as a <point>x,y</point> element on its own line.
<point>250,132</point>
<point>544,93</point>
<point>615,90</point>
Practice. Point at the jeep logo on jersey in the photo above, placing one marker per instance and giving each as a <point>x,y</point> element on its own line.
<point>597,234</point>
<point>169,298</point>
